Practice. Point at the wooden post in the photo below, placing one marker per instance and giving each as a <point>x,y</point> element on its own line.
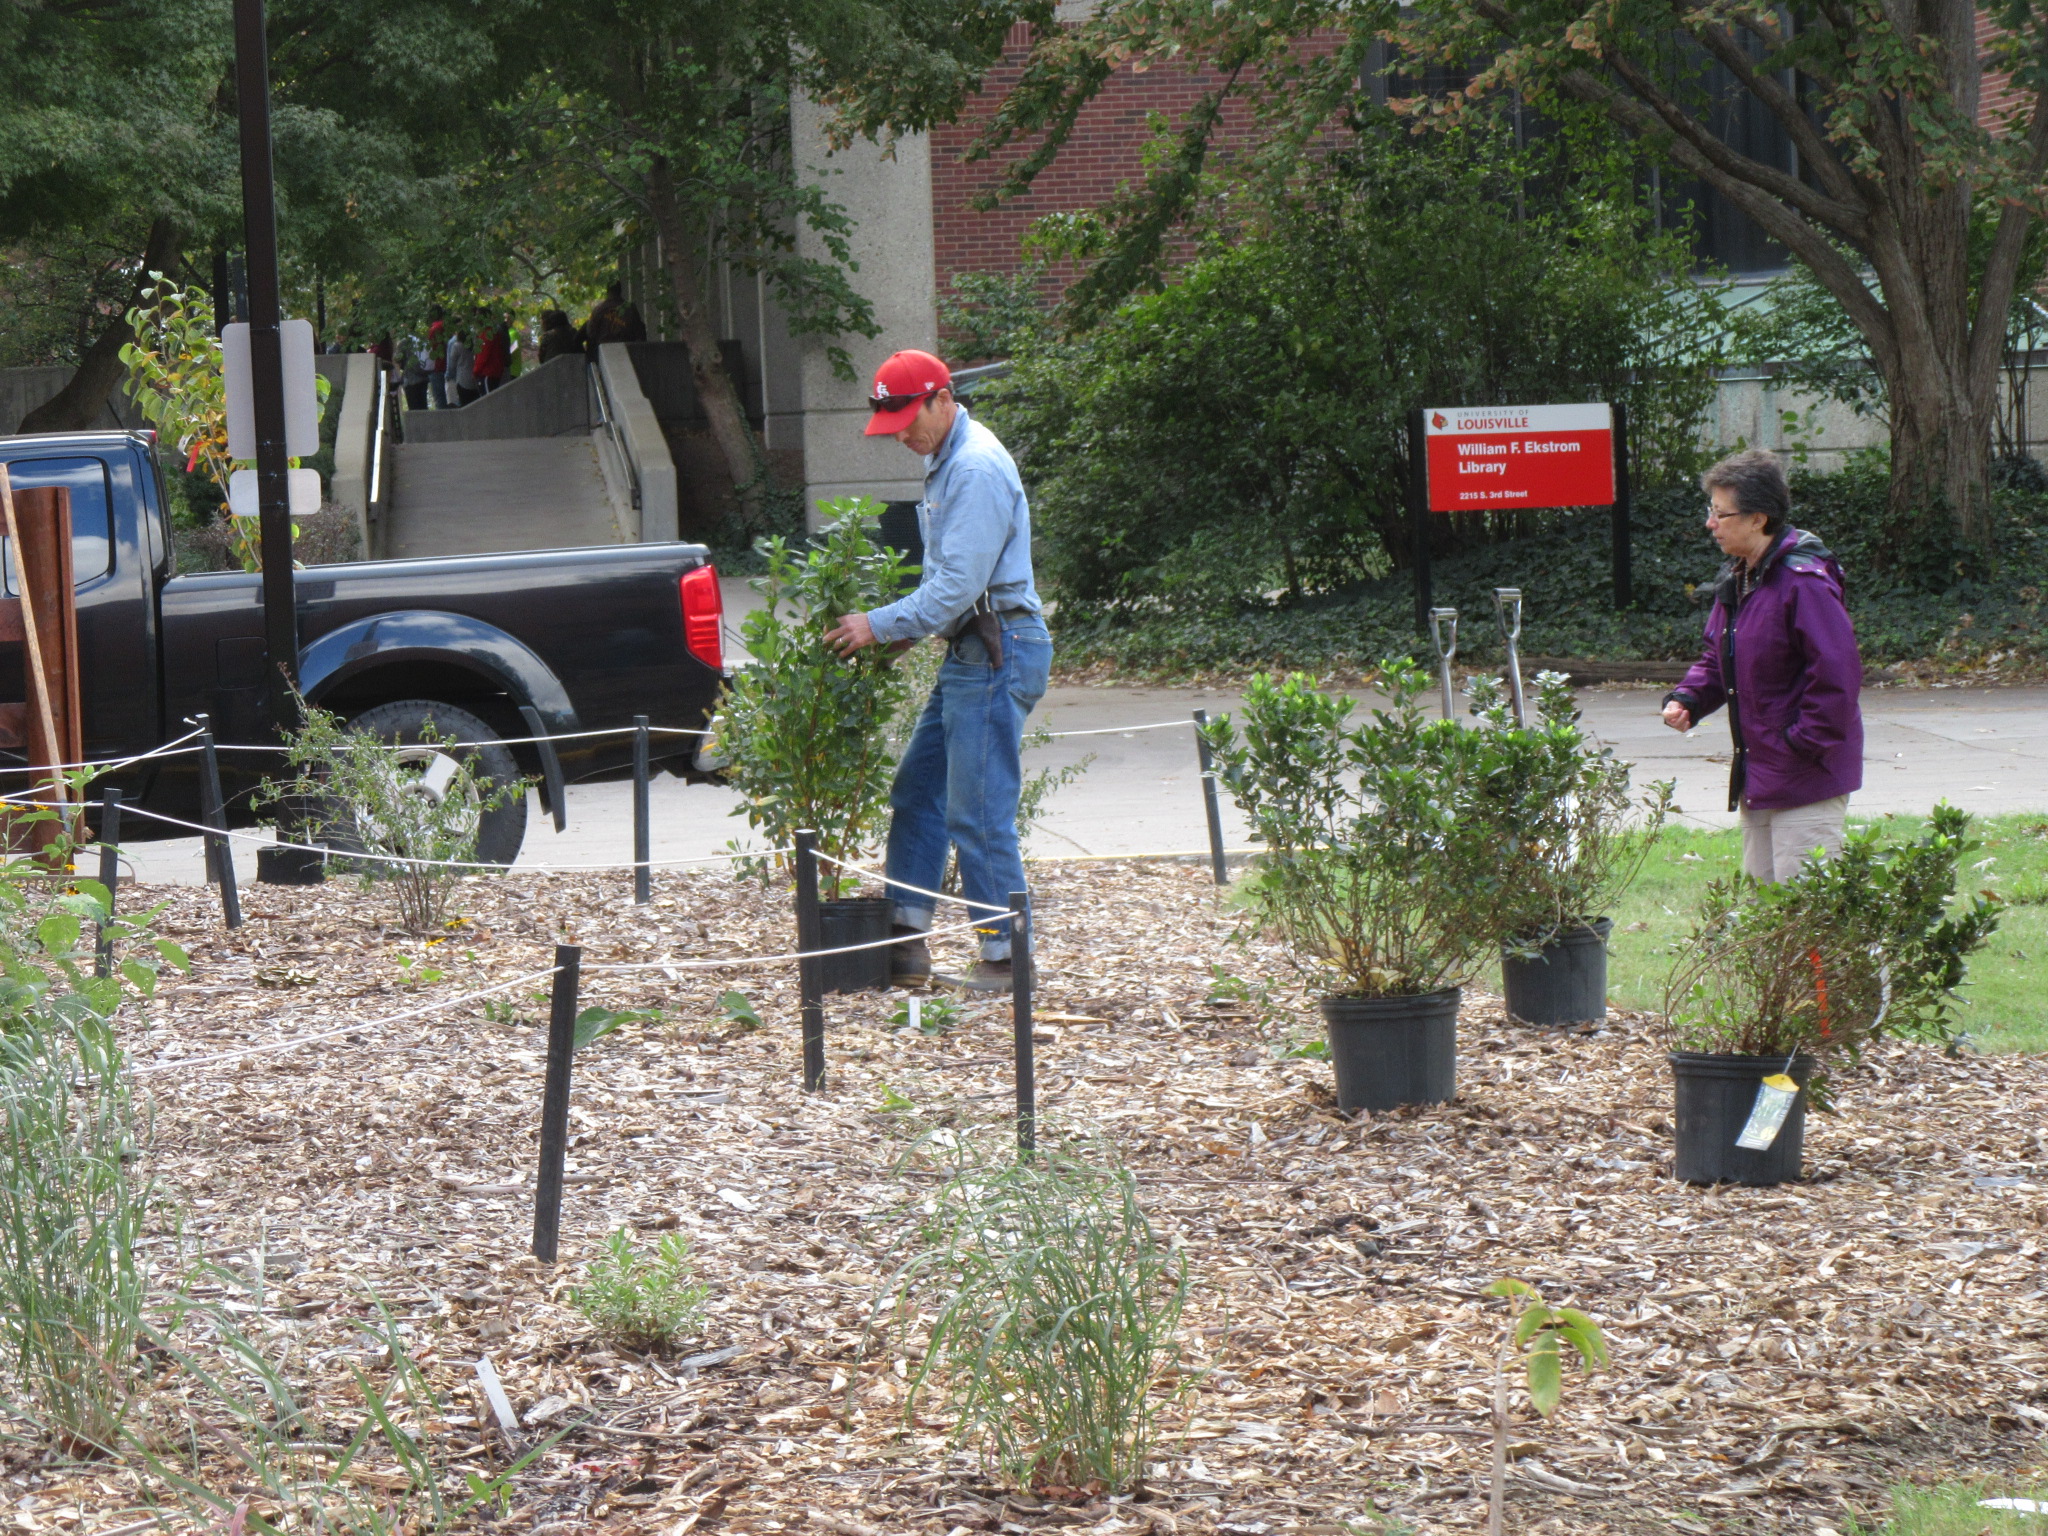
<point>37,524</point>
<point>1020,1020</point>
<point>643,831</point>
<point>810,936</point>
<point>110,874</point>
<point>554,1104</point>
<point>1209,803</point>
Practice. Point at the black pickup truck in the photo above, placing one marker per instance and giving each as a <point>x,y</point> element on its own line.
<point>585,638</point>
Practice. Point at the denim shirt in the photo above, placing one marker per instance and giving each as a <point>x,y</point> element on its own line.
<point>977,536</point>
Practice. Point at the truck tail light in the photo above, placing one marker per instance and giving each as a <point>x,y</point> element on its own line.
<point>704,616</point>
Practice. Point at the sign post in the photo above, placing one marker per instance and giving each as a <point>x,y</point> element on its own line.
<point>1511,458</point>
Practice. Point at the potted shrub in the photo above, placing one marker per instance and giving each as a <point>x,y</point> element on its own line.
<point>1790,981</point>
<point>1381,868</point>
<point>810,734</point>
<point>1576,839</point>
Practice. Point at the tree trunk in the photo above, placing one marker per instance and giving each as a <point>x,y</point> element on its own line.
<point>720,400</point>
<point>1941,453</point>
<point>77,406</point>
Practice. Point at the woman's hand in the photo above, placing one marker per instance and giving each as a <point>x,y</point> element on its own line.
<point>1677,716</point>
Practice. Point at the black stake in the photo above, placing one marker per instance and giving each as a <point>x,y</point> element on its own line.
<point>643,876</point>
<point>220,855</point>
<point>110,874</point>
<point>810,971</point>
<point>1418,514</point>
<point>1020,1011</point>
<point>1624,574</point>
<point>1209,797</point>
<point>554,1104</point>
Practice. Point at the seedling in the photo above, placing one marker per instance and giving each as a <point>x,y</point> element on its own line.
<point>926,1015</point>
<point>1538,1334</point>
<point>642,1300</point>
<point>735,1010</point>
<point>893,1103</point>
<point>417,973</point>
<point>597,1021</point>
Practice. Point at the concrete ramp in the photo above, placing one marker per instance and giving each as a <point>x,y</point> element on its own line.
<point>462,498</point>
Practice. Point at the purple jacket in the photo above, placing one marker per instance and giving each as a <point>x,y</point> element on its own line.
<point>1788,670</point>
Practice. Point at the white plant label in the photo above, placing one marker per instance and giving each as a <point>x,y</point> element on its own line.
<point>1775,1096</point>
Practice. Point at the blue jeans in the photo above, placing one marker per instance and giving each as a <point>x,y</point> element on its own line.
<point>957,783</point>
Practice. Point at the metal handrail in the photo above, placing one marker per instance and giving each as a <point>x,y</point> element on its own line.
<point>607,415</point>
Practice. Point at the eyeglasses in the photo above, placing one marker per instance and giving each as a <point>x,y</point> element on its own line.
<point>881,403</point>
<point>1715,516</point>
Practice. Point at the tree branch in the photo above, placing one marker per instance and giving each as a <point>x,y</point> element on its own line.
<point>1782,186</point>
<point>2002,263</point>
<point>1784,105</point>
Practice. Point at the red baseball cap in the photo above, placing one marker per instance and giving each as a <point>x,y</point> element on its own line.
<point>902,385</point>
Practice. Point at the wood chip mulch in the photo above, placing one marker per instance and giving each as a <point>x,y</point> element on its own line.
<point>1782,1356</point>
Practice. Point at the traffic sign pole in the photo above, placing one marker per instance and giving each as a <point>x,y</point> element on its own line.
<point>266,364</point>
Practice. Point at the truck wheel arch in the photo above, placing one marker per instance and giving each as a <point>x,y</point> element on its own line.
<point>429,654</point>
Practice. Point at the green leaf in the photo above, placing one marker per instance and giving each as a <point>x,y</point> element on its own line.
<point>1546,1375</point>
<point>1534,1319</point>
<point>174,953</point>
<point>141,976</point>
<point>58,933</point>
<point>734,1008</point>
<point>1508,1286</point>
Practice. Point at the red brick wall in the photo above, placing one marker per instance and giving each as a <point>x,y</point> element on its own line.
<point>1998,102</point>
<point>1103,153</point>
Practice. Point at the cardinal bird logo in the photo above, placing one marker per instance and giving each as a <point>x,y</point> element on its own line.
<point>1439,420</point>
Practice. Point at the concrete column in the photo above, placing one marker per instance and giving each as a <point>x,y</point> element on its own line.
<point>888,195</point>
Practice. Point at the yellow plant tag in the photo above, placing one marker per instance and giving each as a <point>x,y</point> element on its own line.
<point>1775,1096</point>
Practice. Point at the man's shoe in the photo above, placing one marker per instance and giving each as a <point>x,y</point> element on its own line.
<point>986,976</point>
<point>910,959</point>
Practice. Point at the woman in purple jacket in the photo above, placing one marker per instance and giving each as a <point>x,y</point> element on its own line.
<point>1781,654</point>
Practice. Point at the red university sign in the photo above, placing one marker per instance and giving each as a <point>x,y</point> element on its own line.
<point>1498,457</point>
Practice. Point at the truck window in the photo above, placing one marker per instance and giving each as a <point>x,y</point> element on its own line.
<point>92,529</point>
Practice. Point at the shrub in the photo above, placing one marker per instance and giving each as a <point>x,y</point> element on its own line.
<point>73,1206</point>
<point>1860,945</point>
<point>643,1301</point>
<point>1570,831</point>
<point>1054,1309</point>
<point>809,733</point>
<point>1383,867</point>
<point>363,795</point>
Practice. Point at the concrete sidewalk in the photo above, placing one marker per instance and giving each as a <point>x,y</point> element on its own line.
<point>1984,749</point>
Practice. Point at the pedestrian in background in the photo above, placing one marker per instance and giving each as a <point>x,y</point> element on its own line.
<point>493,353</point>
<point>557,336</point>
<point>962,769</point>
<point>462,369</point>
<point>437,357</point>
<point>1781,655</point>
<point>416,374</point>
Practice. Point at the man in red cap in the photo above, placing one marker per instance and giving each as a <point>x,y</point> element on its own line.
<point>958,781</point>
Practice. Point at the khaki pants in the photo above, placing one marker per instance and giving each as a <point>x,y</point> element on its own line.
<point>1776,843</point>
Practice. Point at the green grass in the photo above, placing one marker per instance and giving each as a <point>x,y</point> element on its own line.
<point>2004,1005</point>
<point>1953,1511</point>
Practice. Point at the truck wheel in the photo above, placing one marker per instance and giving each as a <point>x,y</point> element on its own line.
<point>501,828</point>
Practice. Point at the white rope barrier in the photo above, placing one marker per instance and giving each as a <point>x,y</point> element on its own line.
<point>495,741</point>
<point>273,1046</point>
<point>168,749</point>
<point>805,954</point>
<point>1118,730</point>
<point>904,885</point>
<point>203,830</point>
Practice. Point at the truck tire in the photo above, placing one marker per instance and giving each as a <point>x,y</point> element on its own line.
<point>501,829</point>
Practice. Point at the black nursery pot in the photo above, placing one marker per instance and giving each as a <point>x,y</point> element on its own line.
<point>1564,982</point>
<point>1715,1093</point>
<point>1388,1051</point>
<point>841,923</point>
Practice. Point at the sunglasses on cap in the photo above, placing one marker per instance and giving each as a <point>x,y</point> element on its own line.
<point>879,403</point>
